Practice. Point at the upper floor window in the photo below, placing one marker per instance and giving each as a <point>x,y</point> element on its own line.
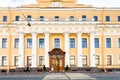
<point>16,43</point>
<point>41,43</point>
<point>109,60</point>
<point>118,42</point>
<point>71,18</point>
<point>29,17</point>
<point>41,18</point>
<point>118,18</point>
<point>108,42</point>
<point>84,42</point>
<point>72,42</point>
<point>56,43</point>
<point>96,42</point>
<point>4,42</point>
<point>29,43</point>
<point>56,18</point>
<point>4,18</point>
<point>17,18</point>
<point>95,18</point>
<point>4,60</point>
<point>107,18</point>
<point>84,18</point>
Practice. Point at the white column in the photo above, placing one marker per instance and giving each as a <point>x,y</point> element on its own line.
<point>79,49</point>
<point>78,2</point>
<point>66,48</point>
<point>34,49</point>
<point>92,50</point>
<point>21,49</point>
<point>46,48</point>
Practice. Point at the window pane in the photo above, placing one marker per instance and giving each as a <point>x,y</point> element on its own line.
<point>41,43</point>
<point>118,18</point>
<point>96,42</point>
<point>84,18</point>
<point>29,43</point>
<point>72,60</point>
<point>72,42</point>
<point>4,18</point>
<point>71,18</point>
<point>16,43</point>
<point>84,59</point>
<point>4,60</point>
<point>4,42</point>
<point>97,60</point>
<point>17,18</point>
<point>56,43</point>
<point>84,42</point>
<point>95,18</point>
<point>16,58</point>
<point>108,42</point>
<point>29,60</point>
<point>109,60</point>
<point>107,18</point>
<point>56,18</point>
<point>41,18</point>
<point>118,42</point>
<point>29,17</point>
<point>41,60</point>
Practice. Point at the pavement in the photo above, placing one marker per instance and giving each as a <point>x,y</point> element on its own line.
<point>60,76</point>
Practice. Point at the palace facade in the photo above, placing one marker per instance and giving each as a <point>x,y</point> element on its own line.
<point>59,33</point>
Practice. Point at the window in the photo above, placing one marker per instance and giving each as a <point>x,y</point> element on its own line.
<point>56,43</point>
<point>84,42</point>
<point>29,17</point>
<point>17,18</point>
<point>72,60</point>
<point>16,58</point>
<point>108,42</point>
<point>71,18</point>
<point>119,60</point>
<point>96,42</point>
<point>56,18</point>
<point>4,18</point>
<point>4,60</point>
<point>4,42</point>
<point>108,18</point>
<point>84,18</point>
<point>29,60</point>
<point>29,43</point>
<point>118,42</point>
<point>41,43</point>
<point>72,42</point>
<point>41,60</point>
<point>97,60</point>
<point>95,18</point>
<point>84,60</point>
<point>41,18</point>
<point>118,18</point>
<point>109,60</point>
<point>16,44</point>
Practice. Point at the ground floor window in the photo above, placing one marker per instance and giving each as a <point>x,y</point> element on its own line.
<point>109,60</point>
<point>4,60</point>
<point>72,60</point>
<point>84,60</point>
<point>29,60</point>
<point>41,60</point>
<point>119,60</point>
<point>97,60</point>
<point>16,58</point>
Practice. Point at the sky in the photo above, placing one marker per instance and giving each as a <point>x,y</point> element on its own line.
<point>95,3</point>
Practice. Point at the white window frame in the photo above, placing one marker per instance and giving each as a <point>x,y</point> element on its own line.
<point>69,42</point>
<point>111,42</point>
<point>26,42</point>
<point>106,59</point>
<point>99,58</point>
<point>14,43</point>
<point>6,61</point>
<point>54,42</point>
<point>74,59</point>
<point>87,59</point>
<point>87,42</point>
<point>38,42</point>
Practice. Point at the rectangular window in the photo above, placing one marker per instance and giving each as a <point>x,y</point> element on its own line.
<point>41,18</point>
<point>29,17</point>
<point>29,60</point>
<point>41,43</point>
<point>84,18</point>
<point>107,18</point>
<point>95,18</point>
<point>96,42</point>
<point>4,60</point>
<point>4,42</point>
<point>4,18</point>
<point>119,18</point>
<point>71,18</point>
<point>119,60</point>
<point>84,42</point>
<point>109,60</point>
<point>41,60</point>
<point>17,18</point>
<point>108,42</point>
<point>72,60</point>
<point>84,60</point>
<point>56,43</point>
<point>56,18</point>
<point>16,43</point>
<point>118,42</point>
<point>72,42</point>
<point>97,60</point>
<point>16,58</point>
<point>29,43</point>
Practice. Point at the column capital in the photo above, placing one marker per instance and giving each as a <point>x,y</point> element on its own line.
<point>66,33</point>
<point>79,32</point>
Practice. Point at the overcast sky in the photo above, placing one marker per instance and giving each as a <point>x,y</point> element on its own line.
<point>95,3</point>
